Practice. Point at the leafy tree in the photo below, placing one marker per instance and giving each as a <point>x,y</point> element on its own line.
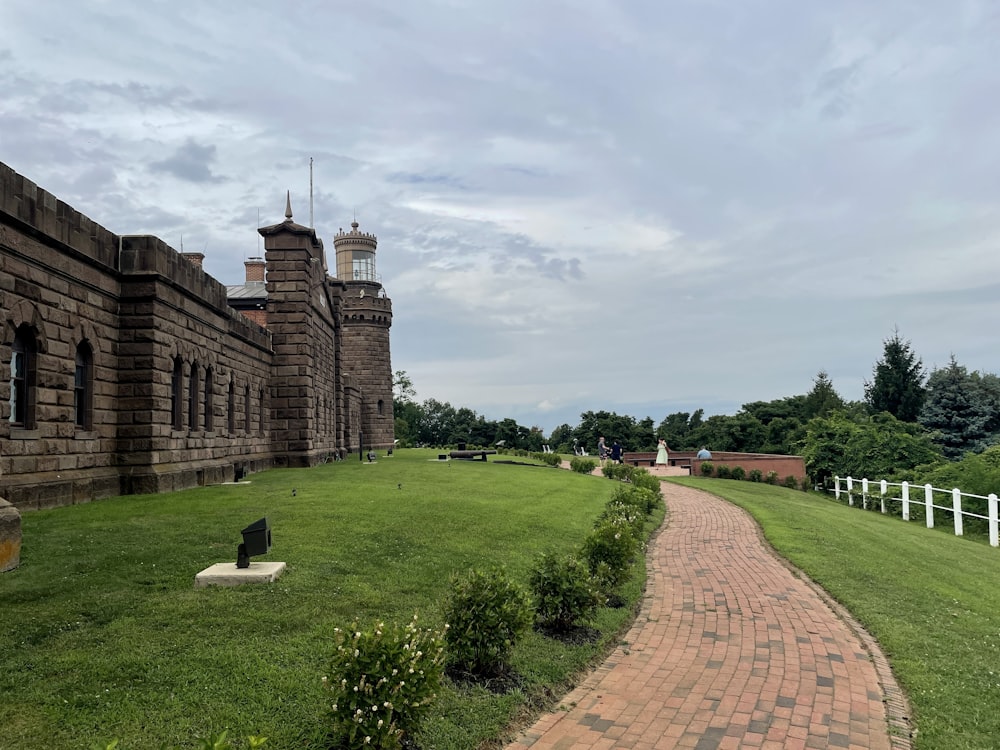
<point>741,432</point>
<point>402,388</point>
<point>561,439</point>
<point>674,430</point>
<point>784,436</point>
<point>611,426</point>
<point>790,407</point>
<point>960,410</point>
<point>509,431</point>
<point>897,385</point>
<point>976,473</point>
<point>876,447</point>
<point>643,437</point>
<point>436,425</point>
<point>408,419</point>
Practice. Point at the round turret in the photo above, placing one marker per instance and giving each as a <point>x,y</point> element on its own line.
<point>356,255</point>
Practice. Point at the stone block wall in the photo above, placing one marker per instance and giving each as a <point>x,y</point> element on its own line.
<point>184,389</point>
<point>58,278</point>
<point>367,319</point>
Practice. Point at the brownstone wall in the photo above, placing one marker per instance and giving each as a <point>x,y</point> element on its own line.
<point>250,398</point>
<point>302,317</point>
<point>367,320</point>
<point>57,275</point>
<point>174,311</point>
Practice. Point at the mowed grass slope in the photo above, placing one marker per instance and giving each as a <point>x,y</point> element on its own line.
<point>931,599</point>
<point>103,635</point>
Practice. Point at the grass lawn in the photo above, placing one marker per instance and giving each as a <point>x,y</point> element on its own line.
<point>931,599</point>
<point>103,635</point>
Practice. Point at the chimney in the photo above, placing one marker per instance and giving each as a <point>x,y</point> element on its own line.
<point>196,259</point>
<point>255,269</point>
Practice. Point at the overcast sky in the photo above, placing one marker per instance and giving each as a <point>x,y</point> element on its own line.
<point>644,207</point>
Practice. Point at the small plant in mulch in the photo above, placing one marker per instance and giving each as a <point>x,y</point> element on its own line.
<point>487,613</point>
<point>564,594</point>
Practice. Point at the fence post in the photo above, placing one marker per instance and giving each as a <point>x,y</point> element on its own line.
<point>906,501</point>
<point>883,488</point>
<point>929,505</point>
<point>836,488</point>
<point>850,486</point>
<point>994,536</point>
<point>956,507</point>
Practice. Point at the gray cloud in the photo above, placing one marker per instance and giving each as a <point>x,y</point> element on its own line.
<point>735,195</point>
<point>191,162</point>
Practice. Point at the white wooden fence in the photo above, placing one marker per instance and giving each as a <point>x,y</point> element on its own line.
<point>926,493</point>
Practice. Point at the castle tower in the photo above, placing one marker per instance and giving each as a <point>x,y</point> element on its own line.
<point>367,317</point>
<point>304,397</point>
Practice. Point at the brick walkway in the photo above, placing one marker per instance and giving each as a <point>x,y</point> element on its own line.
<point>731,650</point>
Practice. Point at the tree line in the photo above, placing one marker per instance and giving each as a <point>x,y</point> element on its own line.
<point>909,418</point>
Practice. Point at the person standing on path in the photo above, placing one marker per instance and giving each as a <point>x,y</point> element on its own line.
<point>616,452</point>
<point>602,450</point>
<point>662,457</point>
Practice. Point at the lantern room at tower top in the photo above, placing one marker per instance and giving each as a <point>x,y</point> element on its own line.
<point>356,255</point>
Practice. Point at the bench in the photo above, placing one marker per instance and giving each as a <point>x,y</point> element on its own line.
<point>636,459</point>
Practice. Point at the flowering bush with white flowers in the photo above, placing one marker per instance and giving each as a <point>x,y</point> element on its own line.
<point>382,681</point>
<point>609,550</point>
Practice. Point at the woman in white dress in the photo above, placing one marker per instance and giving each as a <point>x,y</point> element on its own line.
<point>661,453</point>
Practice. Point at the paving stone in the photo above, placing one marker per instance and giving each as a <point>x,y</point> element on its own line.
<point>732,648</point>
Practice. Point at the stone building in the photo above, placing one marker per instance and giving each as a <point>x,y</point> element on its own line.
<point>128,369</point>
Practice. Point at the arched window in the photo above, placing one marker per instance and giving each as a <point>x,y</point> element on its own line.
<point>381,407</point>
<point>22,378</point>
<point>209,400</point>
<point>177,395</point>
<point>83,386</point>
<point>246,413</point>
<point>193,392</point>
<point>232,407</point>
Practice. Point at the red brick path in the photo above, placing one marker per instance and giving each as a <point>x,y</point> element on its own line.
<point>731,650</point>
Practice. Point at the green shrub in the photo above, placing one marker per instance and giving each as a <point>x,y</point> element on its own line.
<point>583,465</point>
<point>552,459</point>
<point>707,468</point>
<point>643,498</point>
<point>382,680</point>
<point>722,471</point>
<point>645,480</point>
<point>791,482</point>
<point>608,551</point>
<point>486,613</point>
<point>610,470</point>
<point>804,484</point>
<point>628,515</point>
<point>754,475</point>
<point>563,591</point>
<point>738,473</point>
<point>621,472</point>
<point>772,477</point>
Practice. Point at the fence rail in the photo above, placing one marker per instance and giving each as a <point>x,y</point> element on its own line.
<point>850,488</point>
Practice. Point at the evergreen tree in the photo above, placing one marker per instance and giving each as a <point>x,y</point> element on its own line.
<point>897,385</point>
<point>959,410</point>
<point>823,398</point>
